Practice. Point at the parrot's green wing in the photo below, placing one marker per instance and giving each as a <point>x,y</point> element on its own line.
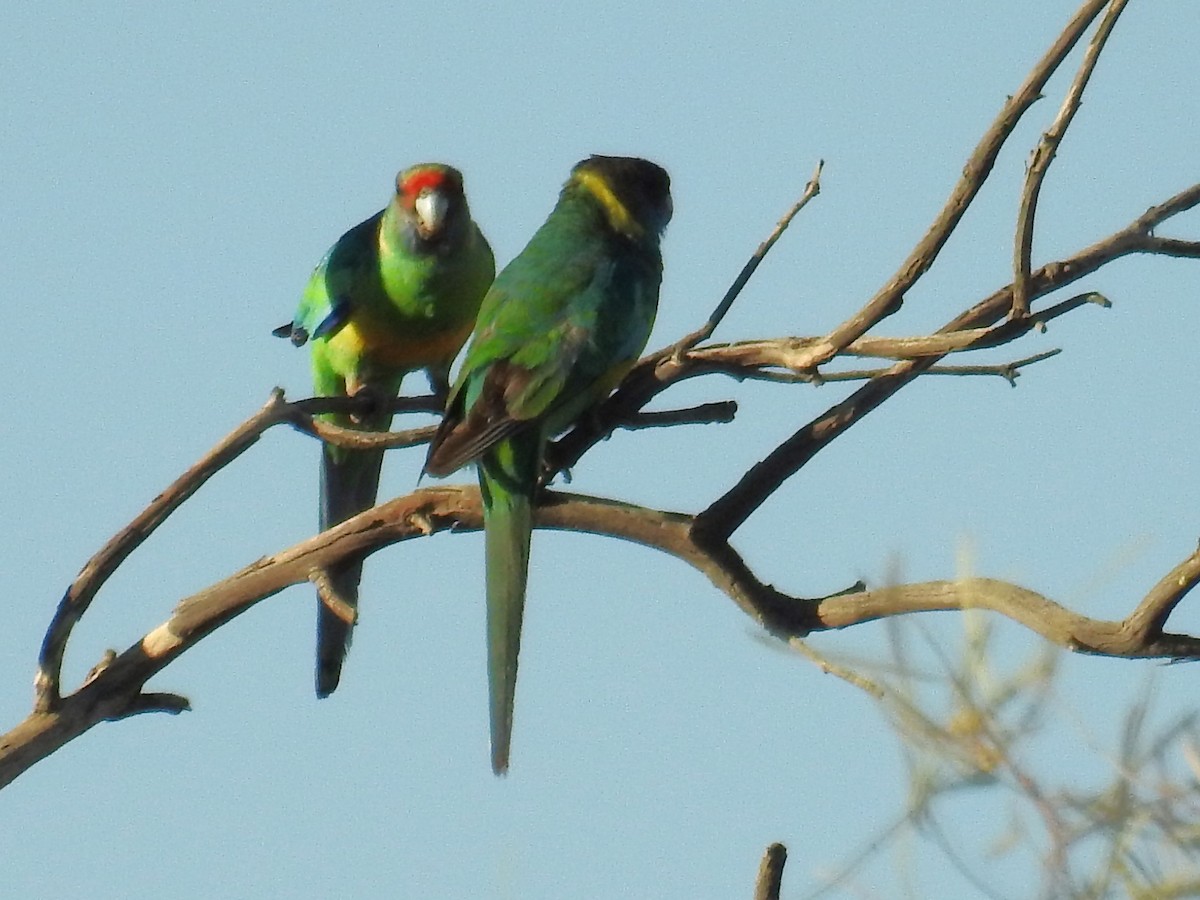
<point>539,323</point>
<point>328,301</point>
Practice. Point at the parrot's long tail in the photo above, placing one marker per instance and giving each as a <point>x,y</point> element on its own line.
<point>349,484</point>
<point>508,522</point>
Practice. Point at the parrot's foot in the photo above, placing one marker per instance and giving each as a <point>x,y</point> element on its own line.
<point>371,397</point>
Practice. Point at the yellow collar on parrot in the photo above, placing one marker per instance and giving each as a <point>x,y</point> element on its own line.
<point>615,211</point>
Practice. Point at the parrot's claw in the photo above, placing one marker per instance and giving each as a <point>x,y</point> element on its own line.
<point>371,397</point>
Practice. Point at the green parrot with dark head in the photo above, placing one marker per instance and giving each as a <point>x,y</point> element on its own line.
<point>396,293</point>
<point>558,330</point>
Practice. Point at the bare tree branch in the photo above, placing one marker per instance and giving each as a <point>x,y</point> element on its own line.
<point>75,602</point>
<point>728,512</point>
<point>890,297</point>
<point>705,331</point>
<point>658,371</point>
<point>115,691</point>
<point>720,411</point>
<point>1043,156</point>
<point>788,353</point>
<point>98,569</point>
<point>770,873</point>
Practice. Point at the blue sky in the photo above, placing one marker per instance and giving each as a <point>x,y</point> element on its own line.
<point>171,174</point>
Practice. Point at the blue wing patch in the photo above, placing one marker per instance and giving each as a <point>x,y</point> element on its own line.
<point>339,315</point>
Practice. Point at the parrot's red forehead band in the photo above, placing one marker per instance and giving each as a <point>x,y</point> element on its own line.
<point>426,178</point>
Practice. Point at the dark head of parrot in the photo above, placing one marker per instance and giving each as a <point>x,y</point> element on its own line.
<point>430,199</point>
<point>635,194</point>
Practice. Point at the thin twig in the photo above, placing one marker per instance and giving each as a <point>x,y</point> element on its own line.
<point>717,412</point>
<point>830,667</point>
<point>98,569</point>
<point>354,439</point>
<point>1006,370</point>
<point>890,297</point>
<point>1043,156</point>
<point>705,331</point>
<point>726,514</point>
<point>770,873</point>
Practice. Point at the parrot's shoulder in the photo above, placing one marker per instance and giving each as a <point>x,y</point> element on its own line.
<point>327,302</point>
<point>355,253</point>
<point>539,287</point>
<point>320,313</point>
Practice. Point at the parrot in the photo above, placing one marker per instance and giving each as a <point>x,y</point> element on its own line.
<point>560,327</point>
<point>396,293</point>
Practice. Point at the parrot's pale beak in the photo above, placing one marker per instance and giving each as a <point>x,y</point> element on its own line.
<point>431,207</point>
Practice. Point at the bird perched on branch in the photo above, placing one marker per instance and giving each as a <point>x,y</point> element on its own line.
<point>563,323</point>
<point>396,293</point>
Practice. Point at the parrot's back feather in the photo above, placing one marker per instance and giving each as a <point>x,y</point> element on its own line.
<point>462,438</point>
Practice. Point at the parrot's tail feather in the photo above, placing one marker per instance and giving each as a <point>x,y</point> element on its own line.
<point>349,485</point>
<point>337,595</point>
<point>509,520</point>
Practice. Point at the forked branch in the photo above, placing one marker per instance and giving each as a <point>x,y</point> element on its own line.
<point>115,690</point>
<point>1043,156</point>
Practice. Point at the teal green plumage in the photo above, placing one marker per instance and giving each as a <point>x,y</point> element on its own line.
<point>396,293</point>
<point>560,327</point>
